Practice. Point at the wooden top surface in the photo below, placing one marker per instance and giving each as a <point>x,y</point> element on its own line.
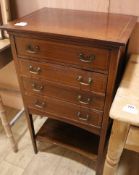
<point>112,28</point>
<point>125,106</point>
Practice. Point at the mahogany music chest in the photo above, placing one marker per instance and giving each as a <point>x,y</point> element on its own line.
<point>67,63</point>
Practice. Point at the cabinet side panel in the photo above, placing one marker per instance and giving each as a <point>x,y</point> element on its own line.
<point>113,69</point>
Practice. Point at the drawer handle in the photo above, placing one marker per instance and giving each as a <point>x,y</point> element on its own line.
<point>40,105</point>
<point>81,117</point>
<point>37,88</point>
<point>86,59</point>
<point>80,79</point>
<point>34,70</point>
<point>87,102</point>
<point>32,49</point>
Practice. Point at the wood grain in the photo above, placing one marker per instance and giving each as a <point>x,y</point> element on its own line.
<point>124,118</point>
<point>7,127</point>
<point>73,95</point>
<point>84,57</point>
<point>128,7</point>
<point>65,75</point>
<point>57,159</point>
<point>62,109</point>
<point>127,94</point>
<point>116,145</point>
<point>20,9</point>
<point>66,27</point>
<point>132,139</point>
<point>92,5</point>
<point>110,28</point>
<point>125,7</point>
<point>134,42</point>
<point>23,8</point>
<point>51,132</point>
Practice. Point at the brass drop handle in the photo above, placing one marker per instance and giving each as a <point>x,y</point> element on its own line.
<point>80,79</point>
<point>81,117</point>
<point>37,88</point>
<point>86,59</point>
<point>39,104</point>
<point>34,70</point>
<point>32,49</point>
<point>87,102</point>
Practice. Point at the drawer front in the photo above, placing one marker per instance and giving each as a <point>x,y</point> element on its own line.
<point>65,93</point>
<point>84,80</point>
<point>84,57</point>
<point>65,110</point>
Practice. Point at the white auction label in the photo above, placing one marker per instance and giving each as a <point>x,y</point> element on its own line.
<point>21,24</point>
<point>130,109</point>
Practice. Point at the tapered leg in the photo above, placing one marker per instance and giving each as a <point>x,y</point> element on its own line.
<point>101,153</point>
<point>116,145</point>
<point>32,131</point>
<point>7,127</point>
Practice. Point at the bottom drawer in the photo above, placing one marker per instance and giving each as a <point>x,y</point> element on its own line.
<point>65,110</point>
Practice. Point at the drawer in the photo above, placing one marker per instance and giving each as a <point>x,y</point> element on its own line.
<point>64,110</point>
<point>84,80</point>
<point>65,93</point>
<point>84,57</point>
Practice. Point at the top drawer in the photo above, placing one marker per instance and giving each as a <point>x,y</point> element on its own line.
<point>83,57</point>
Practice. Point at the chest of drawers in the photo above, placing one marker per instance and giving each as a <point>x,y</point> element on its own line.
<point>67,63</point>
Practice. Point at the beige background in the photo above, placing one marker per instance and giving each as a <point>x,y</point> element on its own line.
<point>21,8</point>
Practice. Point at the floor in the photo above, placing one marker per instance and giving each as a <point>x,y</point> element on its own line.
<point>52,160</point>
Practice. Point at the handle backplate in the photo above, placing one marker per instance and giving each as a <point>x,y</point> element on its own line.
<point>40,105</point>
<point>87,59</point>
<point>37,88</point>
<point>80,99</point>
<point>31,49</point>
<point>82,117</point>
<point>34,70</point>
<point>89,81</point>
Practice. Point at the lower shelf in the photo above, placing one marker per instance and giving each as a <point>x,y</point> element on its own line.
<point>69,136</point>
